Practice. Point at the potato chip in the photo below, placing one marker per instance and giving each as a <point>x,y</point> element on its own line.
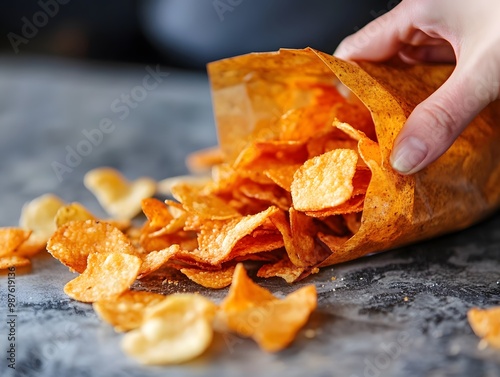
<point>299,234</point>
<point>256,243</point>
<point>205,206</point>
<point>270,194</point>
<point>352,221</point>
<point>157,212</point>
<point>174,331</point>
<point>486,324</point>
<point>217,239</point>
<point>119,197</point>
<point>72,212</point>
<point>126,311</point>
<point>284,269</point>
<point>201,161</point>
<point>253,311</point>
<point>105,276</point>
<point>164,187</point>
<point>155,259</point>
<point>324,181</point>
<point>38,216</point>
<point>13,261</point>
<point>353,205</point>
<point>11,239</point>
<point>210,279</point>
<point>73,242</point>
<point>282,175</point>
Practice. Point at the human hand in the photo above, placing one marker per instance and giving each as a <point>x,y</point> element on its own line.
<point>464,31</point>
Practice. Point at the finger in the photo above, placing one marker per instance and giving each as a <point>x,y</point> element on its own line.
<point>442,53</point>
<point>435,123</point>
<point>380,39</point>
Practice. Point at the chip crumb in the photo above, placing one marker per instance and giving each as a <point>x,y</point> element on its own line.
<point>310,333</point>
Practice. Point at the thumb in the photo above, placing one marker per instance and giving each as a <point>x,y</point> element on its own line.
<point>434,124</point>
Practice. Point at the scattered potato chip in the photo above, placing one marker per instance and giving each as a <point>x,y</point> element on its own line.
<point>73,242</point>
<point>176,330</point>
<point>106,275</point>
<point>72,212</point>
<point>119,197</point>
<point>486,324</point>
<point>164,187</point>
<point>210,279</point>
<point>11,239</point>
<point>156,212</point>
<point>324,181</point>
<point>253,311</point>
<point>13,261</point>
<point>126,311</point>
<point>38,216</point>
<point>284,269</point>
<point>201,161</point>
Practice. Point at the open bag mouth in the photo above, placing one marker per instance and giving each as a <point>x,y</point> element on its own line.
<point>295,139</point>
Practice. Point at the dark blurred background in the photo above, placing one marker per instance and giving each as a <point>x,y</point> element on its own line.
<point>183,33</point>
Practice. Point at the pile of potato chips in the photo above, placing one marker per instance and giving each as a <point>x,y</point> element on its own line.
<point>288,190</point>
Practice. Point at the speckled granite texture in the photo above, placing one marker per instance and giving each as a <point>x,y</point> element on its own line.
<point>399,313</point>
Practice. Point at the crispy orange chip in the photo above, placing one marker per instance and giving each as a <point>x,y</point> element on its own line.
<point>11,239</point>
<point>201,161</point>
<point>210,279</point>
<point>324,181</point>
<point>206,206</point>
<point>157,212</point>
<point>486,324</point>
<point>217,239</point>
<point>126,311</point>
<point>253,311</point>
<point>284,269</point>
<point>105,276</point>
<point>13,261</point>
<point>72,243</point>
<point>155,259</point>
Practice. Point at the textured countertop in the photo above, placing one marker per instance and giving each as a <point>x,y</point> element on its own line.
<point>399,313</point>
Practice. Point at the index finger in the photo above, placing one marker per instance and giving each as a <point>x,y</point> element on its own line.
<point>380,39</point>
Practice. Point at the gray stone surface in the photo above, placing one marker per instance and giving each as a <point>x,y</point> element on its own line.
<point>399,313</point>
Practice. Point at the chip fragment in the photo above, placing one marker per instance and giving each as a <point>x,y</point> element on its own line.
<point>11,239</point>
<point>486,324</point>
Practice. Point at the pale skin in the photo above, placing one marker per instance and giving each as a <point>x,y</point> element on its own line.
<point>463,31</point>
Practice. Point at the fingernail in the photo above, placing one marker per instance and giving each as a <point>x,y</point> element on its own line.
<point>408,154</point>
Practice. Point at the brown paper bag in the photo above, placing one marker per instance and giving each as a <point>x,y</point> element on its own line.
<point>251,92</point>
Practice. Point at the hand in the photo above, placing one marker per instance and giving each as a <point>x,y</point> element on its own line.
<point>464,31</point>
